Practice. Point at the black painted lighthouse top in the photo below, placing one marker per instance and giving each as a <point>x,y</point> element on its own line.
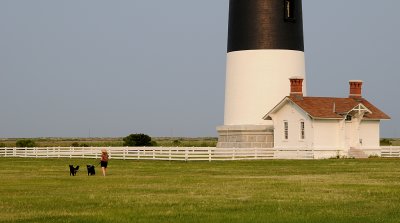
<point>265,24</point>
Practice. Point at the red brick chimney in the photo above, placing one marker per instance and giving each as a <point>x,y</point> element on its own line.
<point>355,89</point>
<point>296,86</point>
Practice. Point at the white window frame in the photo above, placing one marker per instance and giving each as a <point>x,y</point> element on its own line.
<point>285,130</point>
<point>302,130</point>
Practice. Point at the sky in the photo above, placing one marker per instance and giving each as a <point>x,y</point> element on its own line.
<point>100,68</point>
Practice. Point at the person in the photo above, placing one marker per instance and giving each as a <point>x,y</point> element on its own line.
<point>104,161</point>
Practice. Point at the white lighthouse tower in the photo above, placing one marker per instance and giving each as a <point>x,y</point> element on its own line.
<point>265,49</point>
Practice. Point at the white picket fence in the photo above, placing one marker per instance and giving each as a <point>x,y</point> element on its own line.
<point>390,151</point>
<point>143,153</point>
<point>176,153</point>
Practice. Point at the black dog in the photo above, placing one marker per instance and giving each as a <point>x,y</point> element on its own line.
<point>90,170</point>
<point>73,170</point>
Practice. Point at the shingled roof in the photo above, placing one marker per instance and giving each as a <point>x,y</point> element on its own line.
<point>332,108</point>
<point>329,107</point>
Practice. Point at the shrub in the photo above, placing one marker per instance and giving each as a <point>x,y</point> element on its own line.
<point>204,144</point>
<point>75,144</point>
<point>374,156</point>
<point>386,142</point>
<point>2,145</point>
<point>176,142</point>
<point>137,140</point>
<point>22,143</point>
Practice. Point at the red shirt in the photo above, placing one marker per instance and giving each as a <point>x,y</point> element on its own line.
<point>104,157</point>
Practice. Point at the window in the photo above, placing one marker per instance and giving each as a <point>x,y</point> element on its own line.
<point>289,8</point>
<point>302,130</point>
<point>348,118</point>
<point>286,130</point>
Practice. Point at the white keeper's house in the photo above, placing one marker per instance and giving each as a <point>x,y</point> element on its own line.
<point>328,126</point>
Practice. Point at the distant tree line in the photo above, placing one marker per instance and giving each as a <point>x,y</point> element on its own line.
<point>133,140</point>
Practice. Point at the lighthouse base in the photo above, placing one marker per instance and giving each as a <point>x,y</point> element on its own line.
<point>245,136</point>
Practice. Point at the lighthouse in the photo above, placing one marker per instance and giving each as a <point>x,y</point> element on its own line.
<point>265,49</point>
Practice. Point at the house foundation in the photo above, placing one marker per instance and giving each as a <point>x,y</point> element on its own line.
<point>245,136</point>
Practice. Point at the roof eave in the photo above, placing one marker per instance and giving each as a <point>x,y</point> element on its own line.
<point>273,110</point>
<point>320,118</point>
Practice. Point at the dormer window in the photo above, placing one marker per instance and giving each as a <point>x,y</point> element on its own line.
<point>289,9</point>
<point>349,118</point>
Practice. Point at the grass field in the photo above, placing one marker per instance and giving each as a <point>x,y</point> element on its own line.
<point>344,190</point>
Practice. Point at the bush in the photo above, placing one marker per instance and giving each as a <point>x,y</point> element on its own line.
<point>137,140</point>
<point>204,144</point>
<point>75,144</point>
<point>374,156</point>
<point>386,142</point>
<point>22,143</point>
<point>176,142</point>
<point>2,145</point>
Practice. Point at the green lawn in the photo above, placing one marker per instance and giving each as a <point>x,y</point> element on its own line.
<point>41,190</point>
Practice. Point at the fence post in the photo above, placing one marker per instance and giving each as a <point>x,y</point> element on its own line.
<point>209,154</point>
<point>312,154</point>
<point>233,153</point>
<point>186,154</point>
<point>14,152</point>
<point>169,154</point>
